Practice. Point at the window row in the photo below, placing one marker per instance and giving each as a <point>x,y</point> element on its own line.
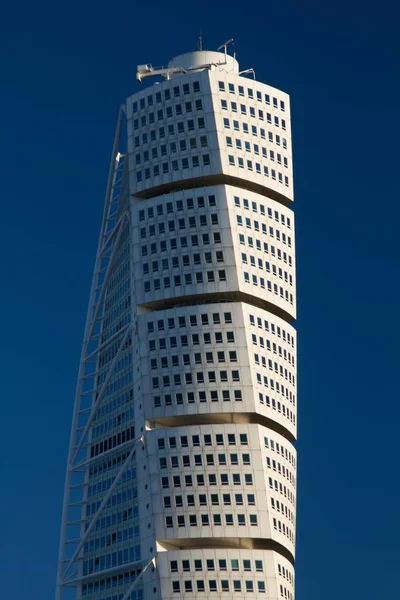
<point>282,528</point>
<point>257,150</point>
<point>168,93</point>
<point>257,226</point>
<point>203,396</point>
<point>184,242</point>
<point>118,276</point>
<point>124,379</point>
<point>281,488</point>
<point>224,586</point>
<point>284,294</point>
<point>154,248</point>
<point>259,96</point>
<point>195,340</point>
<point>275,386</point>
<point>265,135</point>
<point>279,468</point>
<point>112,559</point>
<point>217,520</point>
<point>108,353</point>
<point>230,439</point>
<point>165,167</point>
<point>112,405</point>
<point>280,407</point>
<point>118,537</point>
<point>182,146</point>
<point>275,367</point>
<point>127,514</point>
<point>195,378</point>
<point>177,481</point>
<point>105,484</point>
<point>127,495</point>
<point>282,508</point>
<point>115,294</point>
<point>209,499</point>
<point>253,112</point>
<point>275,348</point>
<point>272,214</point>
<point>285,573</point>
<point>181,223</point>
<point>253,129</point>
<point>276,271</point>
<point>279,449</point>
<point>188,279</point>
<point>154,135</point>
<point>106,334</point>
<point>223,565</point>
<point>106,464</point>
<point>115,313</point>
<point>191,320</point>
<point>109,424</point>
<point>112,442</point>
<point>208,460</point>
<point>268,249</point>
<point>166,362</point>
<point>106,583</point>
<point>285,593</point>
<point>168,207</point>
<point>182,261</point>
<point>123,363</point>
<point>241,163</point>
<point>176,110</point>
<point>271,327</point>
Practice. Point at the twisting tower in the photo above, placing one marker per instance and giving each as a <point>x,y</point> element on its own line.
<point>181,477</point>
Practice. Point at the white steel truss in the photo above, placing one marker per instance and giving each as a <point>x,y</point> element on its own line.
<point>75,528</point>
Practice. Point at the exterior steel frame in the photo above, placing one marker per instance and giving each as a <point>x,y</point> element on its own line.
<point>88,397</point>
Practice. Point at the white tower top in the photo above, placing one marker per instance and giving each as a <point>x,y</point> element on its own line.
<point>205,59</point>
<point>193,61</point>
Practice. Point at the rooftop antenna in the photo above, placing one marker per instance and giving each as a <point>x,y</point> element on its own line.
<point>247,71</point>
<point>224,45</point>
<point>200,42</point>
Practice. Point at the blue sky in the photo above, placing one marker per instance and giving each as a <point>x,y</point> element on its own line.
<point>65,69</point>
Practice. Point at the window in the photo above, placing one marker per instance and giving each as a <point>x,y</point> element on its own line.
<point>222,275</point>
<point>168,522</point>
<point>188,586</point>
<point>229,519</point>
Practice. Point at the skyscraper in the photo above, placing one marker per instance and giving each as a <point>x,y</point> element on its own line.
<point>181,478</point>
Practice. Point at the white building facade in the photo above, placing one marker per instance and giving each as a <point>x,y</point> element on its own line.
<point>181,478</point>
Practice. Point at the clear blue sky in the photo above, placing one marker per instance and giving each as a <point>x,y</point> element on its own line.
<point>65,68</point>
